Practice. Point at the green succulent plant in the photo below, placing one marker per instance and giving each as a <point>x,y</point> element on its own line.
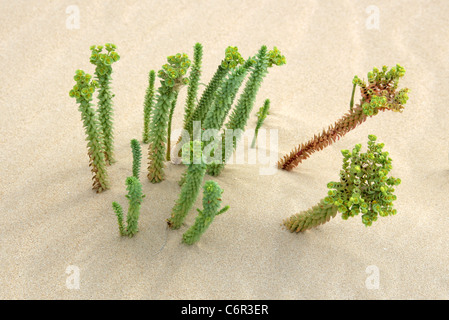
<point>211,208</point>
<point>148,106</point>
<point>240,115</point>
<point>261,115</point>
<point>135,197</point>
<point>172,79</point>
<point>170,116</point>
<point>364,188</point>
<point>191,185</point>
<point>137,156</point>
<point>225,95</point>
<point>103,72</point>
<point>231,61</point>
<point>194,78</point>
<point>380,94</point>
<point>82,91</point>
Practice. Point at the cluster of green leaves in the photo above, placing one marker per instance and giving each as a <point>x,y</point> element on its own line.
<point>82,91</point>
<point>211,208</point>
<point>232,58</point>
<point>380,92</point>
<point>276,58</point>
<point>364,186</point>
<point>173,72</point>
<point>103,61</point>
<point>84,87</point>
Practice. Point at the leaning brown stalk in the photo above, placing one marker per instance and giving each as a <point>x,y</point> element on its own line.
<point>379,95</point>
<point>348,122</point>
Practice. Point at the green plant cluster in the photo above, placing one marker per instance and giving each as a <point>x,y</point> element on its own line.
<point>103,71</point>
<point>103,61</point>
<point>82,91</point>
<point>380,92</point>
<point>191,185</point>
<point>261,116</point>
<point>173,72</point>
<point>276,58</point>
<point>225,95</point>
<point>211,208</point>
<point>135,197</point>
<point>240,115</point>
<point>364,186</point>
<point>232,60</point>
<point>172,79</point>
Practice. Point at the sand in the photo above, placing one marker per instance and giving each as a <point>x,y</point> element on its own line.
<point>51,219</point>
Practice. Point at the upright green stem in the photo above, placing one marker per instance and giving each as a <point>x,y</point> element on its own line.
<point>103,71</point>
<point>172,109</point>
<point>135,198</point>
<point>189,193</point>
<point>137,155</point>
<point>261,115</point>
<point>211,205</point>
<point>351,104</point>
<point>172,81</point>
<point>194,78</point>
<point>148,106</point>
<point>158,132</point>
<point>83,91</point>
<point>119,213</point>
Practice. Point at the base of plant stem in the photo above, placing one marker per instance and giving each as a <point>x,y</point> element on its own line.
<point>253,143</point>
<point>313,217</point>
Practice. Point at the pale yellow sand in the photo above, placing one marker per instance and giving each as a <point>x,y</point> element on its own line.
<point>51,219</point>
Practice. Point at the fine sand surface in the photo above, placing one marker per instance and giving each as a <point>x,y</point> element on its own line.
<point>51,219</point>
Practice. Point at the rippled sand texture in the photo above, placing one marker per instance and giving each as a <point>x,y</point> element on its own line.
<point>50,218</point>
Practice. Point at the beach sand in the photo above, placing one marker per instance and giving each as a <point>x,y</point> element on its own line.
<point>51,219</point>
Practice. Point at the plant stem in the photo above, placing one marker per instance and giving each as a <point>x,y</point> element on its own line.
<point>148,106</point>
<point>172,109</point>
<point>351,104</point>
<point>318,214</point>
<point>137,155</point>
